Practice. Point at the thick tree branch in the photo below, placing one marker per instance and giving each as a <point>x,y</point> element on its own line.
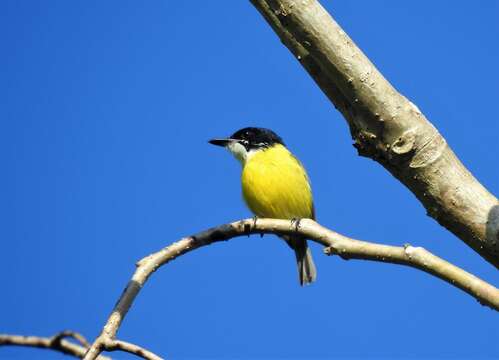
<point>56,342</point>
<point>385,125</point>
<point>335,243</point>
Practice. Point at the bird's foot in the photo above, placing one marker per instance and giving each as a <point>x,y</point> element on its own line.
<point>248,227</point>
<point>255,218</point>
<point>296,223</point>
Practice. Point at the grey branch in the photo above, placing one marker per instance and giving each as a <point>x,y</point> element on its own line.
<point>58,343</point>
<point>115,345</point>
<point>106,343</point>
<point>335,244</point>
<point>386,126</point>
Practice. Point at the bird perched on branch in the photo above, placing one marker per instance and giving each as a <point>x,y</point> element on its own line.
<point>275,185</point>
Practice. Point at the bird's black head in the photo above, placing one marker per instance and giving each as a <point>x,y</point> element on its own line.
<point>253,138</point>
<point>246,141</point>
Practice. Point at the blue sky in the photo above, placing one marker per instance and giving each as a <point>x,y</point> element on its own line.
<point>106,110</point>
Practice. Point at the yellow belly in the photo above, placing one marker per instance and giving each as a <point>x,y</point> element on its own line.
<point>275,185</point>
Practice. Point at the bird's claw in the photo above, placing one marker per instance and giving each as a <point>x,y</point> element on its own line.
<point>296,223</point>
<point>255,218</point>
<point>248,226</point>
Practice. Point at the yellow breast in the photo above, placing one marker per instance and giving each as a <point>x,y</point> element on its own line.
<point>276,185</point>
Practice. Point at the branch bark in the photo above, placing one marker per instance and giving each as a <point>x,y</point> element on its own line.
<point>335,244</point>
<point>56,343</point>
<point>119,345</point>
<point>386,126</point>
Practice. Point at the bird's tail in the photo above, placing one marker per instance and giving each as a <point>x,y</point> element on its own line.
<point>307,272</point>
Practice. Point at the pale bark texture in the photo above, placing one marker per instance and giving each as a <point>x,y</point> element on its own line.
<point>59,343</point>
<point>56,343</point>
<point>385,125</point>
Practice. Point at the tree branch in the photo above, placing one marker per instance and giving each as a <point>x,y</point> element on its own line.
<point>119,345</point>
<point>55,342</point>
<point>71,334</point>
<point>386,126</point>
<point>335,243</point>
<point>58,343</point>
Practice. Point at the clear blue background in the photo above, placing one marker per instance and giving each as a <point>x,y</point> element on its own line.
<point>106,108</point>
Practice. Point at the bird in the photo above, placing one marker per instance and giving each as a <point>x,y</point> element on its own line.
<point>275,185</point>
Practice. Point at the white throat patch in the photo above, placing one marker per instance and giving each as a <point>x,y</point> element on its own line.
<point>239,151</point>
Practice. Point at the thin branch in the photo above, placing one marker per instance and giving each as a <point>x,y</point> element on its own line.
<point>385,125</point>
<point>71,334</point>
<point>56,343</point>
<point>335,243</point>
<point>118,345</point>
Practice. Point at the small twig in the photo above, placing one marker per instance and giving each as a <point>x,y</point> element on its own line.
<point>114,345</point>
<point>335,243</point>
<point>71,334</point>
<point>56,343</point>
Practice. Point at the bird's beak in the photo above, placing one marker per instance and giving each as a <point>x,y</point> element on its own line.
<point>220,142</point>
